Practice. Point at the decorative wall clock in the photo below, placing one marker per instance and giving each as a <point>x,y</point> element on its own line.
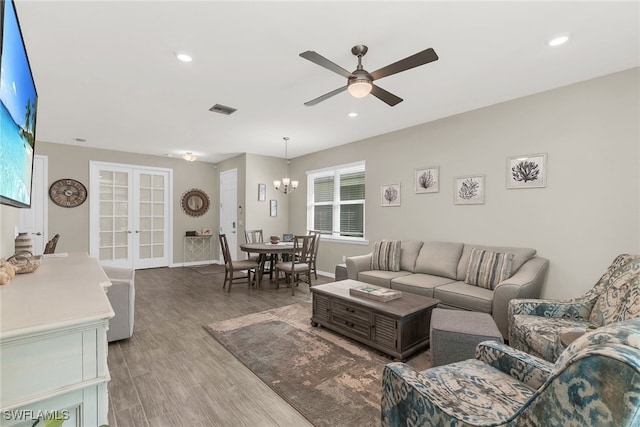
<point>68,193</point>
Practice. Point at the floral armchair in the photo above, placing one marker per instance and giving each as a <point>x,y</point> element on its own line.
<point>596,381</point>
<point>536,326</point>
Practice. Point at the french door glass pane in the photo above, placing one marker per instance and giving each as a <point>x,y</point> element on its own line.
<point>152,215</point>
<point>113,215</point>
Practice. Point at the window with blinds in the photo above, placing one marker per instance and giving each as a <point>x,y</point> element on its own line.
<point>336,201</point>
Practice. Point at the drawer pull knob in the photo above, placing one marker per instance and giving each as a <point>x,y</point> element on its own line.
<point>349,324</point>
<point>350,310</point>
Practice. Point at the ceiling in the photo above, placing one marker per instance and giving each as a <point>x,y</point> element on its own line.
<point>106,71</point>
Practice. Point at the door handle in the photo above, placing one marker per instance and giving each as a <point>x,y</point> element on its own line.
<point>37,234</point>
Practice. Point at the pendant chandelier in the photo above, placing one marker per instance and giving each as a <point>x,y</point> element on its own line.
<point>286,185</point>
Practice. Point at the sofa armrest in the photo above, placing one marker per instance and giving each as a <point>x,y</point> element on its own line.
<point>356,264</point>
<point>525,283</point>
<point>524,367</point>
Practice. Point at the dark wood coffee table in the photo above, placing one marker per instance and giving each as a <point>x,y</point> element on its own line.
<point>398,328</point>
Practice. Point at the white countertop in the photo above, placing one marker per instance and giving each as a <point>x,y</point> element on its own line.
<point>63,291</point>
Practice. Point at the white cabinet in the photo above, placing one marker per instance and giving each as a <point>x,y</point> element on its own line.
<point>53,343</point>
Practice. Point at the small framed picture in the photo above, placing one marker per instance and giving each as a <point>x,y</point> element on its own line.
<point>390,195</point>
<point>528,171</point>
<point>427,180</point>
<point>274,207</point>
<point>262,192</point>
<point>287,237</point>
<point>469,190</point>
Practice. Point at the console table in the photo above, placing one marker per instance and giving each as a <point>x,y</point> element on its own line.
<point>53,343</point>
<point>397,328</point>
<point>197,249</point>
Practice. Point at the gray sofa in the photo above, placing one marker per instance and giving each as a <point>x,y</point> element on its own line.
<point>122,295</point>
<point>439,269</point>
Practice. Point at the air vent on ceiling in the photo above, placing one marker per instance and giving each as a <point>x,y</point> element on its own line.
<point>222,109</point>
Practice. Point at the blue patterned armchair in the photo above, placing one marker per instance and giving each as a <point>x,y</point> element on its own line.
<point>595,382</point>
<point>536,326</point>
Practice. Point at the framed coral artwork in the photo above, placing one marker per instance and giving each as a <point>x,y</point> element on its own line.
<point>390,195</point>
<point>529,171</point>
<point>427,180</point>
<point>469,190</point>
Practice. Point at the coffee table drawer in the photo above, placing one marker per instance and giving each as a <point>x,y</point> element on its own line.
<point>352,325</point>
<point>350,312</point>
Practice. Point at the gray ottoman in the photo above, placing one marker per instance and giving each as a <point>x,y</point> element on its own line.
<point>455,334</point>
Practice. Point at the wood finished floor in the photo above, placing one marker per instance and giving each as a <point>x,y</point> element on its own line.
<point>172,373</point>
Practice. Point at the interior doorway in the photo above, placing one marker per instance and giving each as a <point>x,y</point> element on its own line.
<point>228,211</point>
<point>34,220</point>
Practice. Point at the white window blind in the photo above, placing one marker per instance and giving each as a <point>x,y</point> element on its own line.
<point>336,201</point>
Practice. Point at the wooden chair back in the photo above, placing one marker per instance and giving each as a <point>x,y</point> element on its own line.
<point>50,247</point>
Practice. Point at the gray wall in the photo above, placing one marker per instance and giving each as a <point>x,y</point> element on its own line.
<point>588,213</point>
<point>67,161</point>
<point>263,170</point>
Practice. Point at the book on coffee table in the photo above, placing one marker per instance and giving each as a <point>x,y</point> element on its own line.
<point>375,293</point>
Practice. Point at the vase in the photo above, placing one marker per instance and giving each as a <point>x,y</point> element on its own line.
<point>24,243</point>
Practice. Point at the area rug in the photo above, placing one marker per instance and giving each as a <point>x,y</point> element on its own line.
<point>330,380</point>
<point>209,269</point>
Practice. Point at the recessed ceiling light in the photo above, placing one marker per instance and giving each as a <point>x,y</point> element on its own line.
<point>353,114</point>
<point>558,40</point>
<point>184,57</point>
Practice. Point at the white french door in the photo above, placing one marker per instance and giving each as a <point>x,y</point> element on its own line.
<point>130,215</point>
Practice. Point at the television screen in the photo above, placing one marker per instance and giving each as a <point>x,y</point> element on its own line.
<point>19,101</point>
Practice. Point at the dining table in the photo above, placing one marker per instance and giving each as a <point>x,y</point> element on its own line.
<point>277,250</point>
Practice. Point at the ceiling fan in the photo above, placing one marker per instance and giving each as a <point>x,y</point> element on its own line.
<point>360,82</point>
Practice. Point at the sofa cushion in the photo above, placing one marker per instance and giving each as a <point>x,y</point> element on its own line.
<point>421,284</point>
<point>487,269</point>
<point>386,255</point>
<point>380,277</point>
<point>409,251</point>
<point>461,295</point>
<point>520,256</point>
<point>439,259</point>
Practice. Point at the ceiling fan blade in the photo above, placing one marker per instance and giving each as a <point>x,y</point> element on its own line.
<point>420,58</point>
<point>325,96</point>
<point>324,62</point>
<point>385,96</point>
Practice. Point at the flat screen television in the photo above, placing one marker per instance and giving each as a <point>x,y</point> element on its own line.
<point>18,106</point>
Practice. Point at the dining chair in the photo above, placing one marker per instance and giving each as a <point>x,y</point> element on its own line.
<point>231,267</point>
<point>257,236</point>
<point>50,247</point>
<point>300,264</point>
<point>316,245</point>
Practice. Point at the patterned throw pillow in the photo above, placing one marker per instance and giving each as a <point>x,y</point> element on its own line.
<point>386,255</point>
<point>487,269</point>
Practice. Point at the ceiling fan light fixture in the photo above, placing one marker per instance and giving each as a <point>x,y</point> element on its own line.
<point>359,88</point>
<point>189,157</point>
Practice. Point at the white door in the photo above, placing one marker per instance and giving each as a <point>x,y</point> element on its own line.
<point>228,212</point>
<point>130,216</point>
<point>34,219</point>
<point>150,214</point>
